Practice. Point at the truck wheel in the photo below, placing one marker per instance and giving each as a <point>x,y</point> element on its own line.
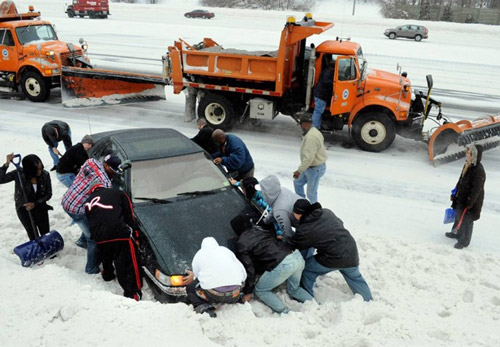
<point>392,36</point>
<point>418,38</point>
<point>34,87</point>
<point>71,13</point>
<point>217,110</point>
<point>373,132</point>
<point>92,14</point>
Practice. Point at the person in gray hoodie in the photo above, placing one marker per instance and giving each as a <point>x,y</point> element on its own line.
<point>281,200</point>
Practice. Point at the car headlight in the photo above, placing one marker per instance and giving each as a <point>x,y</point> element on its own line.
<point>174,280</point>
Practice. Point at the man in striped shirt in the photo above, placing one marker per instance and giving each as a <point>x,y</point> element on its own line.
<point>73,201</point>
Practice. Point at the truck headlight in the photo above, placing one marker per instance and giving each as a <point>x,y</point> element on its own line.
<point>50,54</point>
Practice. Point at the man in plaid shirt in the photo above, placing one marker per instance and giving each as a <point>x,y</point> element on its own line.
<point>73,201</point>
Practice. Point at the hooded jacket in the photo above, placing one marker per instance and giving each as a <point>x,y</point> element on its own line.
<point>470,186</point>
<point>258,249</point>
<point>43,191</point>
<point>322,229</point>
<point>51,137</point>
<point>281,201</point>
<point>216,266</point>
<point>110,215</point>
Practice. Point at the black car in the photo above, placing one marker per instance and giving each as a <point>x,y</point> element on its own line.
<point>199,14</point>
<point>179,197</point>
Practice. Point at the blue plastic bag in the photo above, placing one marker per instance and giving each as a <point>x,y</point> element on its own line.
<point>449,215</point>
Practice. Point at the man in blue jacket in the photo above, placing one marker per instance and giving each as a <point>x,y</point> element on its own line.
<point>233,154</point>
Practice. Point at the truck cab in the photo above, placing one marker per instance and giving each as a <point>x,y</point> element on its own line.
<point>374,104</point>
<point>91,8</point>
<point>32,55</point>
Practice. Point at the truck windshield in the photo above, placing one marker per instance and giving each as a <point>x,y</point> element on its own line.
<point>33,33</point>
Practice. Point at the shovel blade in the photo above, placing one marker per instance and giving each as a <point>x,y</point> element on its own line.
<point>33,252</point>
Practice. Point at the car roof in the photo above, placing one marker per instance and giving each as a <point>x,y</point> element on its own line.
<point>150,143</point>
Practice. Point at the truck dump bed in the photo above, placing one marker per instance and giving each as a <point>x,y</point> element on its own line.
<point>205,61</point>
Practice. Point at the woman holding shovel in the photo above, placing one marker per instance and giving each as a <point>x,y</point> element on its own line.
<point>37,189</point>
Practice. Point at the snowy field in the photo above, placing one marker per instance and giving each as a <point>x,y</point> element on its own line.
<point>426,293</point>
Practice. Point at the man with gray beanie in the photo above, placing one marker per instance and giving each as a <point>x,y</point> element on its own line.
<point>70,163</point>
<point>336,249</point>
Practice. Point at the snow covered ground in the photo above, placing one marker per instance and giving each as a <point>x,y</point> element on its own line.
<point>426,293</point>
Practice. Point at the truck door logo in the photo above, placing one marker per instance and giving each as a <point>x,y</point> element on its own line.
<point>345,94</point>
<point>5,54</point>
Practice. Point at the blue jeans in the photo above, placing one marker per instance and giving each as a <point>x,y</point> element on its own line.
<point>92,266</point>
<point>352,276</point>
<point>55,157</point>
<point>66,179</point>
<point>319,108</point>
<point>310,177</point>
<point>289,270</point>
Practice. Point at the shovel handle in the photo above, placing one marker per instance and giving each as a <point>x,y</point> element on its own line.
<point>16,160</point>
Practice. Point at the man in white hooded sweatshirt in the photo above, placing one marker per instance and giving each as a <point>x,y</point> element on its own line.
<point>217,277</point>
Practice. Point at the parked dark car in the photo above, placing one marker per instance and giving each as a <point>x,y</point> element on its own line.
<point>409,31</point>
<point>179,197</point>
<point>199,14</point>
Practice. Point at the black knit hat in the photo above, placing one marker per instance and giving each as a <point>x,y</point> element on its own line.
<point>301,206</point>
<point>305,119</point>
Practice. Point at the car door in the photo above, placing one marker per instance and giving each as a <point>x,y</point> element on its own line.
<point>8,58</point>
<point>404,31</point>
<point>345,81</point>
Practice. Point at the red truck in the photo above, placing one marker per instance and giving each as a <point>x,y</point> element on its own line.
<point>91,8</point>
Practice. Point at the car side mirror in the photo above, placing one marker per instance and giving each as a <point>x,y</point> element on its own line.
<point>127,164</point>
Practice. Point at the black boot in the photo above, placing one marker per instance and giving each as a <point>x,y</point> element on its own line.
<point>458,245</point>
<point>452,235</point>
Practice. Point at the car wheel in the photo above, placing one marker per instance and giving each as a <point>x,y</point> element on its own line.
<point>71,13</point>
<point>418,38</point>
<point>374,131</point>
<point>34,86</point>
<point>392,36</point>
<point>187,16</point>
<point>217,110</point>
<point>204,17</point>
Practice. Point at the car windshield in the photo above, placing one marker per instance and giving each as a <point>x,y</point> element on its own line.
<point>33,33</point>
<point>165,178</point>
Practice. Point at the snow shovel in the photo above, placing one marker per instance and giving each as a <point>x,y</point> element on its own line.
<point>43,247</point>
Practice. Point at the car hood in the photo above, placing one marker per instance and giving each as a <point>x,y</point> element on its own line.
<point>176,230</point>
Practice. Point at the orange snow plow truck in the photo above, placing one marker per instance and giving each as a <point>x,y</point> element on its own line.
<point>31,54</point>
<point>233,85</point>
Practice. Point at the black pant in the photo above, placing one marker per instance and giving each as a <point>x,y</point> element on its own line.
<point>40,217</point>
<point>463,225</point>
<point>198,296</point>
<point>122,253</point>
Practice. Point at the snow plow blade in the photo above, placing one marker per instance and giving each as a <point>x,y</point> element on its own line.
<point>449,140</point>
<point>93,87</point>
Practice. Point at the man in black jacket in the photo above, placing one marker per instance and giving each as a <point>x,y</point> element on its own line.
<point>72,160</point>
<point>323,93</point>
<point>204,136</point>
<point>54,132</point>
<point>111,220</point>
<point>260,251</point>
<point>468,199</point>
<point>336,249</point>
